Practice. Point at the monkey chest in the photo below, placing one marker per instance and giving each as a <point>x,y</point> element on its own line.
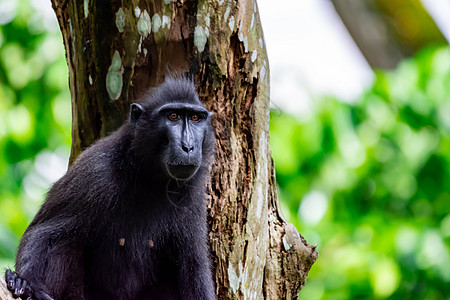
<point>135,249</point>
<point>131,246</point>
<point>123,264</point>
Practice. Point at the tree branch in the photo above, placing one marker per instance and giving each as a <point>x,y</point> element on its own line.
<point>4,293</point>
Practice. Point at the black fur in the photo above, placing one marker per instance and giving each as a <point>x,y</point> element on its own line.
<point>118,225</point>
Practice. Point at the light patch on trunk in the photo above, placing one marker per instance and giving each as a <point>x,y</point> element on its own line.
<point>156,23</point>
<point>208,20</point>
<point>120,20</point>
<point>227,13</point>
<point>137,11</point>
<point>200,38</point>
<point>238,280</point>
<point>144,24</point>
<point>233,278</point>
<point>231,23</point>
<point>262,73</point>
<point>86,8</point>
<point>114,81</point>
<point>165,22</point>
<point>254,55</point>
<point>261,175</point>
<point>71,29</point>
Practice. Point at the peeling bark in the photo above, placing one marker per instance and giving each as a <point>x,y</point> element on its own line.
<point>117,49</point>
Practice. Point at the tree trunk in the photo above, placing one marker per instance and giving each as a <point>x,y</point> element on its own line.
<point>118,49</point>
<point>386,31</point>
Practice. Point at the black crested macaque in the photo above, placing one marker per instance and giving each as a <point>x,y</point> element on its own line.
<point>128,219</point>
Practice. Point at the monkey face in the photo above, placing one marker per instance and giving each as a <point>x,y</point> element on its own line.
<point>179,131</point>
<point>185,127</point>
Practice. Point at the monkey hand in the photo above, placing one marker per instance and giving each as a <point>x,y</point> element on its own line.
<point>21,288</point>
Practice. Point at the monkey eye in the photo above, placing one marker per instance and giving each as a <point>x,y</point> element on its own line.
<point>195,118</point>
<point>174,116</point>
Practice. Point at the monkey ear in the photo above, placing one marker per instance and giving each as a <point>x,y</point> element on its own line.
<point>135,112</point>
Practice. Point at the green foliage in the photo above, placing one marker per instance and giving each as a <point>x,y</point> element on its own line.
<point>369,182</point>
<point>34,116</point>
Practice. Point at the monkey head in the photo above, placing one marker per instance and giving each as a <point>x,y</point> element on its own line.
<point>183,128</point>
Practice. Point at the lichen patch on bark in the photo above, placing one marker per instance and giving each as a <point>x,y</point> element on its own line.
<point>114,80</point>
<point>156,22</point>
<point>144,25</point>
<point>86,8</point>
<point>200,38</point>
<point>120,20</point>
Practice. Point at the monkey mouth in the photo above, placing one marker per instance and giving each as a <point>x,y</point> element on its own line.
<point>181,172</point>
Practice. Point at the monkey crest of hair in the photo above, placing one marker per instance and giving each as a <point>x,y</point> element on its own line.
<point>128,219</point>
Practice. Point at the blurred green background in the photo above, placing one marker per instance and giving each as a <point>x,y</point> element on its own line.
<point>373,179</point>
<point>35,115</point>
<point>367,181</point>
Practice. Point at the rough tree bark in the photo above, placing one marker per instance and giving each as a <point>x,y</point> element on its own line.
<point>4,293</point>
<point>117,49</point>
<point>386,31</point>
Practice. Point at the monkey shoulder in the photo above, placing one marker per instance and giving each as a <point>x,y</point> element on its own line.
<point>91,183</point>
<point>98,167</point>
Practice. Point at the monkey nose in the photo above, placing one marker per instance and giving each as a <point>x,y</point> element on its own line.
<point>187,148</point>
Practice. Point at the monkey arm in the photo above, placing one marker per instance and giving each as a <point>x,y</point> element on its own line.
<point>51,253</point>
<point>194,278</point>
<point>51,262</point>
<point>194,272</point>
